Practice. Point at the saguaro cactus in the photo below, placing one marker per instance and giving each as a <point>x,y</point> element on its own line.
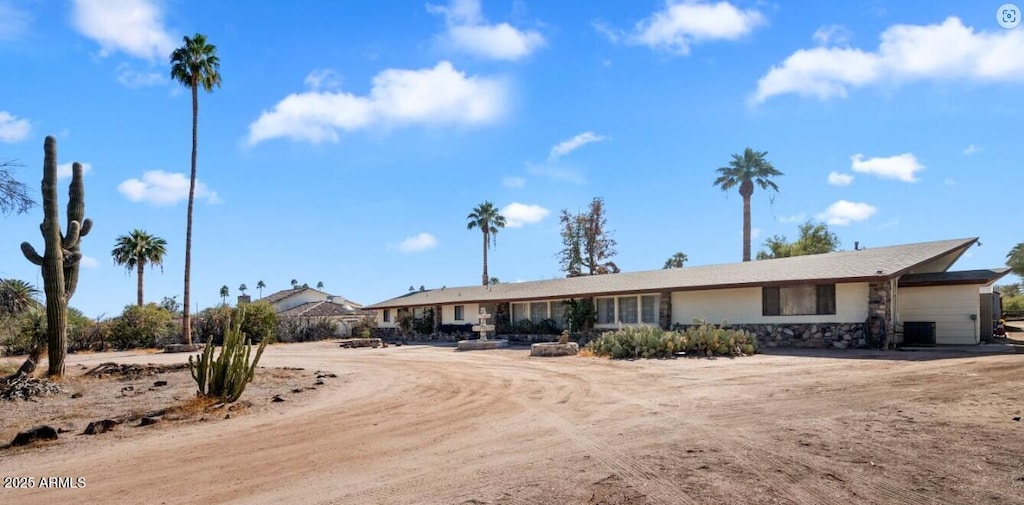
<point>60,259</point>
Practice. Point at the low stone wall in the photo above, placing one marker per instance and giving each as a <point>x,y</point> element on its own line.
<point>821,335</point>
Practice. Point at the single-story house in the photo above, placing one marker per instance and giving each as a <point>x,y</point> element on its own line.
<point>307,306</point>
<point>860,298</point>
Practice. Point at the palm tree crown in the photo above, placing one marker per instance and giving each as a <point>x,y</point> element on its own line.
<point>224,292</point>
<point>16,297</point>
<point>1015,259</point>
<point>243,288</point>
<point>747,170</point>
<point>486,217</point>
<point>137,249</point>
<point>194,64</point>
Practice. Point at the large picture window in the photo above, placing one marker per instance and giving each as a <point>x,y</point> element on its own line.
<point>518,312</point>
<point>627,310</point>
<point>800,300</point>
<point>538,312</point>
<point>649,309</point>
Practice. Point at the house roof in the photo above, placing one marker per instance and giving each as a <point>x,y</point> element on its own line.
<point>288,293</point>
<point>844,266</point>
<point>321,308</point>
<point>982,277</point>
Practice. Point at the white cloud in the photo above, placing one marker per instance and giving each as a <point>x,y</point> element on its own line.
<point>681,24</point>
<point>13,129</point>
<point>88,262</point>
<point>134,27</point>
<point>843,213</point>
<point>14,22</point>
<point>517,214</point>
<point>439,95</point>
<point>838,179</point>
<point>948,51</point>
<point>164,188</point>
<point>468,32</point>
<point>323,78</point>
<point>418,243</point>
<point>797,218</point>
<point>836,35</point>
<point>513,182</point>
<point>556,172</point>
<point>902,167</point>
<point>971,149</point>
<point>567,146</point>
<point>132,78</point>
<point>64,170</point>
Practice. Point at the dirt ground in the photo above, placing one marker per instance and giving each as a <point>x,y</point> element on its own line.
<point>428,424</point>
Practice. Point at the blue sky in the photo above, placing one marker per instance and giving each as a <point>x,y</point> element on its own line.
<point>350,139</point>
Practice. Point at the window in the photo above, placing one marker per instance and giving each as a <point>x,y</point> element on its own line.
<point>605,310</point>
<point>538,312</point>
<point>460,312</point>
<point>417,313</point>
<point>627,310</point>
<point>387,315</point>
<point>518,312</point>
<point>802,300</point>
<point>649,309</point>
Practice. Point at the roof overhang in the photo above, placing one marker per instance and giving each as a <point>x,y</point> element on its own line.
<point>964,277</point>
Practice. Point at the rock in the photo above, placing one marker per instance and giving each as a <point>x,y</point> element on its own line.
<point>146,421</point>
<point>788,331</point>
<point>553,349</point>
<point>840,344</point>
<point>325,375</point>
<point>97,427</point>
<point>127,388</point>
<point>319,382</point>
<point>159,383</point>
<point>76,395</point>
<point>1016,418</point>
<point>297,390</point>
<point>36,434</point>
<point>277,398</point>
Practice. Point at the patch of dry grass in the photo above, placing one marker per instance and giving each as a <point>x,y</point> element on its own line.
<point>585,352</point>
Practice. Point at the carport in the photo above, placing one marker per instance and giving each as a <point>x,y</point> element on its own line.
<point>945,307</point>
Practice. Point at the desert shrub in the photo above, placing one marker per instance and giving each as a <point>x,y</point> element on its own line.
<point>78,330</point>
<point>455,329</point>
<point>97,336</point>
<point>364,327</point>
<point>147,326</point>
<point>24,330</point>
<point>546,327</point>
<point>523,327</point>
<point>260,321</point>
<point>209,324</point>
<point>296,330</point>
<point>226,376</point>
<point>652,342</point>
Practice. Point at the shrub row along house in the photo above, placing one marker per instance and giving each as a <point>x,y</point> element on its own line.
<point>861,298</point>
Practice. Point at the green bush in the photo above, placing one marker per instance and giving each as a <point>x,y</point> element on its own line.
<point>260,321</point>
<point>147,326</point>
<point>365,326</point>
<point>634,342</point>
<point>226,376</point>
<point>25,329</point>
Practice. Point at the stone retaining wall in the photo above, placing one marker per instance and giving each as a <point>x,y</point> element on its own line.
<point>818,335</point>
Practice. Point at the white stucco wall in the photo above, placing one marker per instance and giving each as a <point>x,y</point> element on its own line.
<point>470,312</point>
<point>949,307</point>
<point>743,306</point>
<point>389,324</point>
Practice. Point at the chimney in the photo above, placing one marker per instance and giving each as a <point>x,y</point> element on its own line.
<point>856,246</point>
<point>243,299</point>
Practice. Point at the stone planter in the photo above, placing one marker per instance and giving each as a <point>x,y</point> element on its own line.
<point>481,345</point>
<point>554,349</point>
<point>183,348</point>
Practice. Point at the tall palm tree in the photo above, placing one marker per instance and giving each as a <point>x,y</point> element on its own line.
<point>136,250</point>
<point>746,170</point>
<point>194,64</point>
<point>1015,259</point>
<point>260,285</point>
<point>16,297</point>
<point>487,218</point>
<point>243,288</point>
<point>676,260</point>
<point>224,293</point>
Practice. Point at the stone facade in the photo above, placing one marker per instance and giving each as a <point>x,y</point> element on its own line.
<point>665,310</point>
<point>817,335</point>
<point>880,328</point>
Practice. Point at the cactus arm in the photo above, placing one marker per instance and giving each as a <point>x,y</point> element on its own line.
<point>71,258</point>
<point>86,226</point>
<point>31,254</point>
<point>71,238</point>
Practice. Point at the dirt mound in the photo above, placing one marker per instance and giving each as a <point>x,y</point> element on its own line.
<point>131,372</point>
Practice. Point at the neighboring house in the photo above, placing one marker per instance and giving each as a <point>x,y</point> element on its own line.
<point>308,305</point>
<point>843,299</point>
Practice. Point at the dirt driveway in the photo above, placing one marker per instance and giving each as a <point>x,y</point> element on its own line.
<point>419,424</point>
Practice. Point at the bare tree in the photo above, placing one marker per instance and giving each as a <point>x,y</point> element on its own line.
<point>13,193</point>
